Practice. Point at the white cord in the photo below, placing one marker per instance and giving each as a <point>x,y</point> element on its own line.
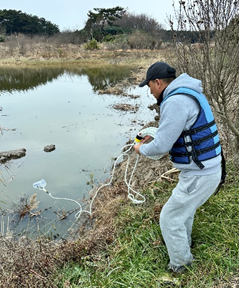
<point>130,195</point>
<point>147,131</point>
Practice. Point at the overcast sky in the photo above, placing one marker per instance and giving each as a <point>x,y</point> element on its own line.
<point>72,14</point>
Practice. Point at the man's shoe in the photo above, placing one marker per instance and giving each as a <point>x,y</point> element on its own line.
<point>178,269</point>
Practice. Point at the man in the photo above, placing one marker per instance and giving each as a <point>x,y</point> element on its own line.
<point>187,131</point>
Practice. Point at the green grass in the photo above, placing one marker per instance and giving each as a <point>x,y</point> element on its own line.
<point>138,256</point>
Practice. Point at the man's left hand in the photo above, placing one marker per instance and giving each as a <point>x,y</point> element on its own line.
<point>137,146</point>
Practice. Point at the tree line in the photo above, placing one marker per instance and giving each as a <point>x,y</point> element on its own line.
<point>15,22</point>
<point>102,25</point>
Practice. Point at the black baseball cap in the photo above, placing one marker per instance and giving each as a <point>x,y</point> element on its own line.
<point>158,70</point>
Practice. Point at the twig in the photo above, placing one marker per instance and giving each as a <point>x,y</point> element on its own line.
<point>34,272</point>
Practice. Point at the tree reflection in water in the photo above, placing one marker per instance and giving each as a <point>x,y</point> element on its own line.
<point>24,79</point>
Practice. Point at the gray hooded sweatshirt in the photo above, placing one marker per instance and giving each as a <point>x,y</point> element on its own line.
<point>178,113</point>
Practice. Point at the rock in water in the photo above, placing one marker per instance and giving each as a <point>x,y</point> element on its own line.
<point>49,148</point>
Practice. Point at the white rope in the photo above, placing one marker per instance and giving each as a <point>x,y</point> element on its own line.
<point>132,194</point>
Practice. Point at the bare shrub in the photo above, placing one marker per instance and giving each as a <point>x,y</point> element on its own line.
<point>214,58</point>
<point>37,47</point>
<point>69,37</point>
<point>139,40</point>
<point>140,22</point>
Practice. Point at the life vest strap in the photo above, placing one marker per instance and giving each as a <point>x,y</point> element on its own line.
<point>195,153</point>
<point>198,129</point>
<point>198,141</point>
<point>224,173</point>
<point>205,150</point>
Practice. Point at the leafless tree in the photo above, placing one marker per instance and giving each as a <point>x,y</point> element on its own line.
<point>144,31</point>
<point>214,58</point>
<point>140,22</point>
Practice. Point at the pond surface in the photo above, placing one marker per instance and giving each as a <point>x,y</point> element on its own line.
<point>61,107</point>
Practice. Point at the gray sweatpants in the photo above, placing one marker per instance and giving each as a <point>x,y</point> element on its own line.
<point>176,218</point>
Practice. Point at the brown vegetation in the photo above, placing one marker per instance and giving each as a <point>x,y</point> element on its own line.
<point>29,263</point>
<point>24,50</point>
<point>13,154</point>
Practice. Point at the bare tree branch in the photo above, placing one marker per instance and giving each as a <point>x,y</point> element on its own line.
<point>207,47</point>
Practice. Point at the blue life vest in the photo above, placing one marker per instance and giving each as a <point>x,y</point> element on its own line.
<point>201,141</point>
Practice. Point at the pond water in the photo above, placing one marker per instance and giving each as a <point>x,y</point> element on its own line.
<point>62,107</point>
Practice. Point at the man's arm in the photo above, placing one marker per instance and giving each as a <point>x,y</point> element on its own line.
<point>172,122</point>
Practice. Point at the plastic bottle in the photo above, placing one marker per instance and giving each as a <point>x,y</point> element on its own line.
<point>39,184</point>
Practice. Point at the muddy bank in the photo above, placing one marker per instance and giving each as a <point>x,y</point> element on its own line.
<point>12,154</point>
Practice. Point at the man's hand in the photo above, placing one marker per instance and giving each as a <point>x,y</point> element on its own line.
<point>137,146</point>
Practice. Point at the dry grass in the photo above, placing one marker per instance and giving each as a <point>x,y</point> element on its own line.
<point>38,263</point>
<point>29,263</point>
<point>25,51</point>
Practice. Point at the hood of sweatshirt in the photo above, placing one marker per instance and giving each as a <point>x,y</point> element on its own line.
<point>184,80</point>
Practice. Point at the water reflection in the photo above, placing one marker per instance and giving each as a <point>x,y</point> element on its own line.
<point>101,78</point>
<point>24,79</point>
